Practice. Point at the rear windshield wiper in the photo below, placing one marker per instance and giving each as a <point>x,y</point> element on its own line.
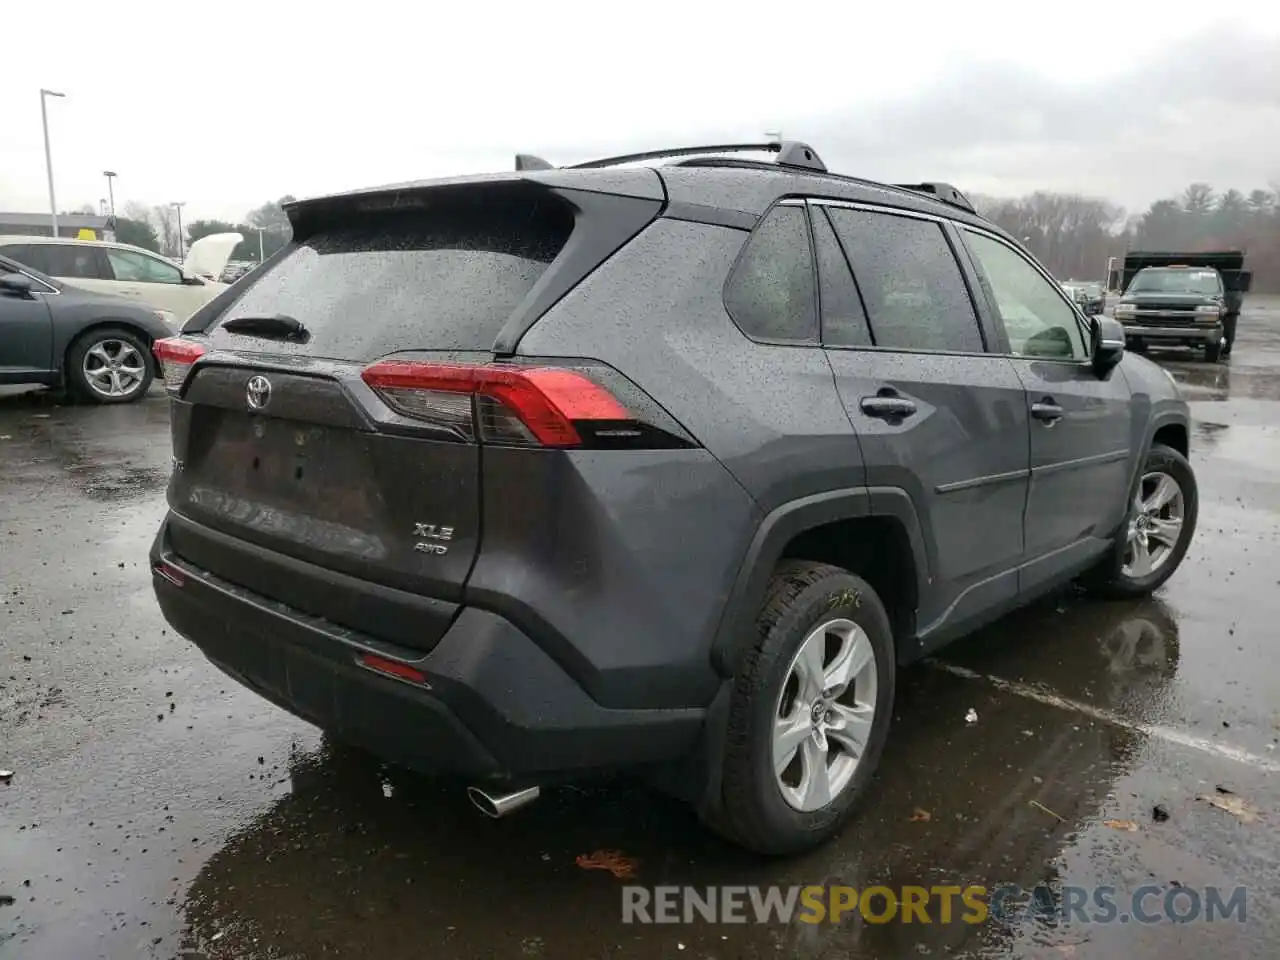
<point>280,325</point>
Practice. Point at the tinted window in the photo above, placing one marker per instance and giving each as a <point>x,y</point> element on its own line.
<point>443,281</point>
<point>1039,323</point>
<point>31,255</point>
<point>1177,280</point>
<point>844,323</point>
<point>910,282</point>
<point>770,295</point>
<point>73,260</point>
<point>139,268</point>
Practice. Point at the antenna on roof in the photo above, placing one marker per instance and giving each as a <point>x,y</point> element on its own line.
<point>527,161</point>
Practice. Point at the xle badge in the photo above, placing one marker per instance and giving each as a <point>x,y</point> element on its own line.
<point>431,536</point>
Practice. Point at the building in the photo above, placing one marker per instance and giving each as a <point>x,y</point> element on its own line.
<point>72,225</point>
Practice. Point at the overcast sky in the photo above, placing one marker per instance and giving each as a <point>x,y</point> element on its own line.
<point>226,105</point>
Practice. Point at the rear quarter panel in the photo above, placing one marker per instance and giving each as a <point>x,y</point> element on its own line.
<point>637,553</point>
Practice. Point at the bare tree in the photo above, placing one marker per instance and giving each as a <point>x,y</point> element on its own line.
<point>163,219</point>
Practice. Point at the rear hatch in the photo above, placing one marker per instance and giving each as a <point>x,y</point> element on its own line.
<point>326,417</point>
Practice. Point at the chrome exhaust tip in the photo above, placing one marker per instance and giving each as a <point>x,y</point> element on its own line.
<point>497,805</point>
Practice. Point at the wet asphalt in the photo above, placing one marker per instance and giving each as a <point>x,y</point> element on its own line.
<point>156,809</point>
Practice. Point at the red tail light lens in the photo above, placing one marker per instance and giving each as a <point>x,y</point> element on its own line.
<point>176,356</point>
<point>520,405</point>
<point>393,668</point>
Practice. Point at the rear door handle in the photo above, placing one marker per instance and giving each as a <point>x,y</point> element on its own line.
<point>1048,411</point>
<point>887,408</point>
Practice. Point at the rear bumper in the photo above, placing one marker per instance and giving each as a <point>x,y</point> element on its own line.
<point>495,704</point>
<point>1191,335</point>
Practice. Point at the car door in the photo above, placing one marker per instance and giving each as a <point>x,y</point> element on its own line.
<point>938,417</point>
<point>1080,422</point>
<point>26,332</point>
<point>156,282</point>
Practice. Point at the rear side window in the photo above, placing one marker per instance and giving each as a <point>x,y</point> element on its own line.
<point>770,293</point>
<point>73,261</point>
<point>910,282</point>
<point>844,322</point>
<point>437,280</point>
<point>29,254</point>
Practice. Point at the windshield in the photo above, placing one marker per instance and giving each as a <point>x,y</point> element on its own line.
<point>1164,280</point>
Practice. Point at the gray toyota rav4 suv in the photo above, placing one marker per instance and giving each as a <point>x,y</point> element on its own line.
<point>663,468</point>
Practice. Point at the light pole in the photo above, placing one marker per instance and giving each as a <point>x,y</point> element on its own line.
<point>48,156</point>
<point>111,175</point>
<point>260,257</point>
<point>182,252</point>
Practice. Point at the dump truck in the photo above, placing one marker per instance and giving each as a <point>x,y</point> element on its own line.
<point>1188,299</point>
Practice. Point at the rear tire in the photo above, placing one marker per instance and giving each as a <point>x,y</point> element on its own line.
<point>1123,573</point>
<point>109,365</point>
<point>816,686</point>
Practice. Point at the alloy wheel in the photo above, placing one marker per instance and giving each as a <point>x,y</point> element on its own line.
<point>114,368</point>
<point>824,714</point>
<point>1155,524</point>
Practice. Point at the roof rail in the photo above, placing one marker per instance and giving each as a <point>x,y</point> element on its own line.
<point>791,153</point>
<point>940,191</point>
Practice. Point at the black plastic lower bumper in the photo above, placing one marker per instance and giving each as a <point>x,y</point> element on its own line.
<point>494,703</point>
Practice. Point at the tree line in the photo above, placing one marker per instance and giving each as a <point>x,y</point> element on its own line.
<point>1074,235</point>
<point>156,228</point>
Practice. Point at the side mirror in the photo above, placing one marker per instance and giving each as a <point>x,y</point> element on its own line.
<point>190,279</point>
<point>16,283</point>
<point>1107,342</point>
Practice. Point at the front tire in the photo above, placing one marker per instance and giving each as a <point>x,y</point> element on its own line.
<point>1163,510</point>
<point>109,365</point>
<point>1213,351</point>
<point>809,712</point>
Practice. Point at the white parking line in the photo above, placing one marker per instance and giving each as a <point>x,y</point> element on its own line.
<point>1167,734</point>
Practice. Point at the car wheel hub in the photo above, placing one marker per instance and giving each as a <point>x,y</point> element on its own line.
<point>824,714</point>
<point>113,368</point>
<point>1155,525</point>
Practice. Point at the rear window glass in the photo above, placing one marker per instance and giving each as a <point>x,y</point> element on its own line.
<point>447,280</point>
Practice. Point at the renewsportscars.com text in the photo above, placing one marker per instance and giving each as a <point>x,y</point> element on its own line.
<point>1004,903</point>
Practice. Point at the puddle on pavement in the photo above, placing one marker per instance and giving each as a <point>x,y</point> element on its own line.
<point>338,867</point>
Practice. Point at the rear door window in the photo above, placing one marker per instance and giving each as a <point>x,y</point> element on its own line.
<point>770,293</point>
<point>844,322</point>
<point>444,280</point>
<point>911,284</point>
<point>31,255</point>
<point>75,261</point>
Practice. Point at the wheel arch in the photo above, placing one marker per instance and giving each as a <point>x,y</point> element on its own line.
<point>837,527</point>
<point>108,323</point>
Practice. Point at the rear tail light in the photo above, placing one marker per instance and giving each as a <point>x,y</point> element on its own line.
<point>548,406</point>
<point>176,356</point>
<point>167,571</point>
<point>393,668</point>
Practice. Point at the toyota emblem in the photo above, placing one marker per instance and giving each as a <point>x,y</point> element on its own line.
<point>258,392</point>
